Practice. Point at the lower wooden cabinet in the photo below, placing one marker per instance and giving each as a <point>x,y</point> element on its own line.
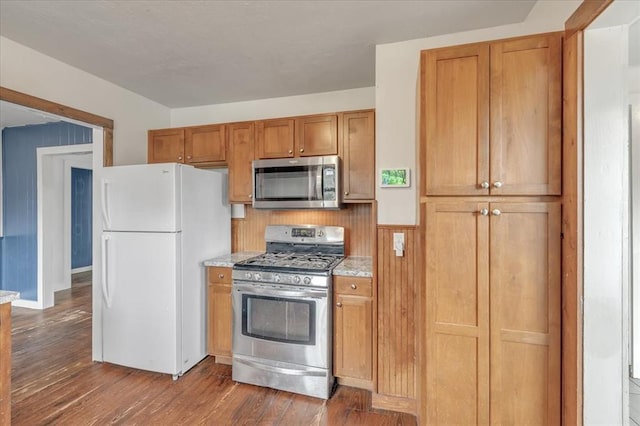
<point>353,331</point>
<point>492,312</point>
<point>5,363</point>
<point>219,314</point>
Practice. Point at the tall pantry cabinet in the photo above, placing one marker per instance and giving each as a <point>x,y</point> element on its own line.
<point>491,227</point>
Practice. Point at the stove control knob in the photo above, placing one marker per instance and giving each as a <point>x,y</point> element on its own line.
<point>296,279</point>
<point>307,280</point>
<point>276,277</point>
<point>257,276</point>
<point>248,275</point>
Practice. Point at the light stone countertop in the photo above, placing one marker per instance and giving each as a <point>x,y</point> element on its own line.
<point>228,260</point>
<point>8,296</point>
<point>355,266</point>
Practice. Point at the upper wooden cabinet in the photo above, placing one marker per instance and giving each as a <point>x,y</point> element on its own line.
<point>491,118</point>
<point>205,144</point>
<point>358,156</point>
<point>189,145</point>
<point>317,135</point>
<point>166,146</point>
<point>275,138</point>
<point>241,154</point>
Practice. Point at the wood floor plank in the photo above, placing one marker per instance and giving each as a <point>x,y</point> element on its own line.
<point>54,381</point>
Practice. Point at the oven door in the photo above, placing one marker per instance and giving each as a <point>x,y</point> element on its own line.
<point>282,323</point>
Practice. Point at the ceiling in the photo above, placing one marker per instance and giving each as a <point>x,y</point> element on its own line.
<point>189,53</point>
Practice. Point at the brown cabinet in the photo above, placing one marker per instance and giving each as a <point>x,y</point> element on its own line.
<point>275,138</point>
<point>358,156</point>
<point>493,312</point>
<point>317,135</point>
<point>219,314</point>
<point>166,146</point>
<point>492,118</point>
<point>5,363</point>
<point>190,145</point>
<point>353,331</point>
<point>241,154</point>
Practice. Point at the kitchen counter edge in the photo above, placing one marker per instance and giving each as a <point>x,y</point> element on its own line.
<point>355,266</point>
<point>8,296</point>
<point>228,260</point>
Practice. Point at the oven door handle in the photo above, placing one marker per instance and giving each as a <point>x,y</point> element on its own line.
<point>255,289</point>
<point>280,370</point>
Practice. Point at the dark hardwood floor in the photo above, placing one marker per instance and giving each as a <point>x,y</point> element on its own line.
<point>55,382</point>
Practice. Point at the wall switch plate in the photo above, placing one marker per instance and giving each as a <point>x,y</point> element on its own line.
<point>398,243</point>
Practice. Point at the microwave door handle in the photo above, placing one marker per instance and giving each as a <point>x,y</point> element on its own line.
<point>319,179</point>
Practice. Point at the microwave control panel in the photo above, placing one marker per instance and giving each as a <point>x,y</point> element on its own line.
<point>329,183</point>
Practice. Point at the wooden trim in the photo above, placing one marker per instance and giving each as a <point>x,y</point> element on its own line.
<point>374,284</point>
<point>223,360</point>
<point>399,227</point>
<point>53,108</point>
<point>355,383</point>
<point>584,15</point>
<point>572,389</point>
<point>5,364</point>
<point>29,101</point>
<point>393,403</point>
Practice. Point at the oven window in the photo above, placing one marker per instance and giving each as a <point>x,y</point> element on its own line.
<point>289,183</point>
<point>279,319</point>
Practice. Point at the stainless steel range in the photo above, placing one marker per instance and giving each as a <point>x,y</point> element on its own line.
<point>282,310</point>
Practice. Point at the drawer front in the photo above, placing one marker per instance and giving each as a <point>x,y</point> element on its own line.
<point>356,286</point>
<point>219,275</point>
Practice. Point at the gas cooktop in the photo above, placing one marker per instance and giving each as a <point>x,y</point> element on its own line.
<point>291,261</point>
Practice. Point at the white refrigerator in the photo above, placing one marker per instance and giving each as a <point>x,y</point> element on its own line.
<point>161,221</point>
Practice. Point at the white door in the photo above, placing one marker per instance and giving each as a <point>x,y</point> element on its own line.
<point>141,198</point>
<point>140,300</point>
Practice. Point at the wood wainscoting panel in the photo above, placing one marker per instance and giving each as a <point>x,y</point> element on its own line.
<point>398,279</point>
<point>357,219</point>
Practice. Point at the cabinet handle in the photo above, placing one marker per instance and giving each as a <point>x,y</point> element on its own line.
<point>353,286</point>
<point>484,185</point>
<point>301,149</point>
<point>339,304</point>
<point>290,151</point>
<point>496,212</point>
<point>180,157</point>
<point>221,276</point>
<point>484,212</point>
<point>497,184</point>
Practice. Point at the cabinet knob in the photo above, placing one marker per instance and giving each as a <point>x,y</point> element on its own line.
<point>339,304</point>
<point>290,151</point>
<point>221,276</point>
<point>180,157</point>
<point>250,195</point>
<point>346,192</point>
<point>301,149</point>
<point>484,212</point>
<point>188,157</point>
<point>353,286</point>
<point>497,184</point>
<point>484,185</point>
<point>496,212</point>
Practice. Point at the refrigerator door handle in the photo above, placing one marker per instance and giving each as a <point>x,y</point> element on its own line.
<point>105,204</point>
<point>105,275</point>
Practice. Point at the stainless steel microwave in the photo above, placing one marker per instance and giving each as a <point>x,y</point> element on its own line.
<point>297,183</point>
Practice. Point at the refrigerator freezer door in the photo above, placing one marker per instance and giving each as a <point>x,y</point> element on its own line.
<point>141,296</point>
<point>142,198</point>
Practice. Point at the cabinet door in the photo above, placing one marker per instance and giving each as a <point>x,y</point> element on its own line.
<point>455,120</point>
<point>526,116</point>
<point>358,156</point>
<point>317,135</point>
<point>457,301</point>
<point>205,144</point>
<point>525,313</point>
<point>353,338</point>
<point>275,138</point>
<point>241,154</point>
<point>166,146</point>
<point>219,313</point>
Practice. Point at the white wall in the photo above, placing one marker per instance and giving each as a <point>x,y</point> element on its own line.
<point>605,197</point>
<point>397,100</point>
<point>25,70</point>
<point>316,103</point>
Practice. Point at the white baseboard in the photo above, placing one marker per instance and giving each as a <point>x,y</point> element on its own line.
<point>30,304</point>
<point>83,269</point>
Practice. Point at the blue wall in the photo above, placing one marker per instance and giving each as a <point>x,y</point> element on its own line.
<point>81,219</point>
<point>18,247</point>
